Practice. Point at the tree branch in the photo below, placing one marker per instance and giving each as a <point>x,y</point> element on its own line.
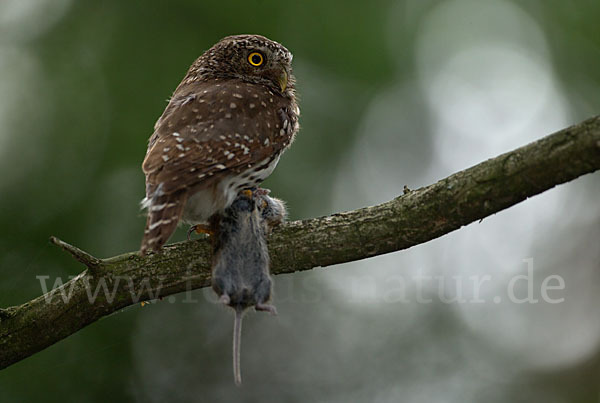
<point>413,218</point>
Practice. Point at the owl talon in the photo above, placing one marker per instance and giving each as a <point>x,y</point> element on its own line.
<point>199,229</point>
<point>248,193</point>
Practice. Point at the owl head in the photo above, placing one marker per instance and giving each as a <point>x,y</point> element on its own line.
<point>251,58</point>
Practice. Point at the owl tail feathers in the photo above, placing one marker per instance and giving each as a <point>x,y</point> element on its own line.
<point>164,212</point>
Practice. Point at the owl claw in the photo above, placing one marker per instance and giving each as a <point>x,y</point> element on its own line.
<point>248,193</point>
<point>199,229</point>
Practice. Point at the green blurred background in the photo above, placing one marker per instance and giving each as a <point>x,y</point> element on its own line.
<point>392,93</point>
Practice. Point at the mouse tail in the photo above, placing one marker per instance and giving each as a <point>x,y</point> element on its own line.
<point>237,338</point>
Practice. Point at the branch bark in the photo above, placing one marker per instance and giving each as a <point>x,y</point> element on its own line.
<point>418,216</point>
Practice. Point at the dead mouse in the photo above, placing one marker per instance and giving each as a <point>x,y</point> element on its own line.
<point>240,263</point>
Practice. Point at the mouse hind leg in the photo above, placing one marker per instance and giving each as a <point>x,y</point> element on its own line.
<point>264,307</point>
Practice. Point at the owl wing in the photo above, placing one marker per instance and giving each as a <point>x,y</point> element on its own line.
<point>207,132</point>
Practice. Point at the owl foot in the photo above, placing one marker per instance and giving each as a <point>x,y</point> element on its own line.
<point>199,229</point>
<point>255,192</point>
<point>248,193</point>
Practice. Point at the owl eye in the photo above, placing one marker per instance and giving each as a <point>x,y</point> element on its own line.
<point>255,59</point>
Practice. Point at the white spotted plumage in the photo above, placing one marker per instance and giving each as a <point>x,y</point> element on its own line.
<point>224,130</point>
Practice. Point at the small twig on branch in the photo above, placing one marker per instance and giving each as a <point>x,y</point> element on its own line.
<point>413,218</point>
<point>91,262</point>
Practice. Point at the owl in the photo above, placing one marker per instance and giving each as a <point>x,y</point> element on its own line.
<point>223,131</point>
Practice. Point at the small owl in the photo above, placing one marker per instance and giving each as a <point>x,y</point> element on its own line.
<point>223,131</point>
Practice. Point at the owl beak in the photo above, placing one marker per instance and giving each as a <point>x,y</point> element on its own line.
<point>283,80</point>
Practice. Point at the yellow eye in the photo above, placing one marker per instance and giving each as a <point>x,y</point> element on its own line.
<point>255,59</point>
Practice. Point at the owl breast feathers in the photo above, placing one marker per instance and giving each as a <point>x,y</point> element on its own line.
<point>223,131</point>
